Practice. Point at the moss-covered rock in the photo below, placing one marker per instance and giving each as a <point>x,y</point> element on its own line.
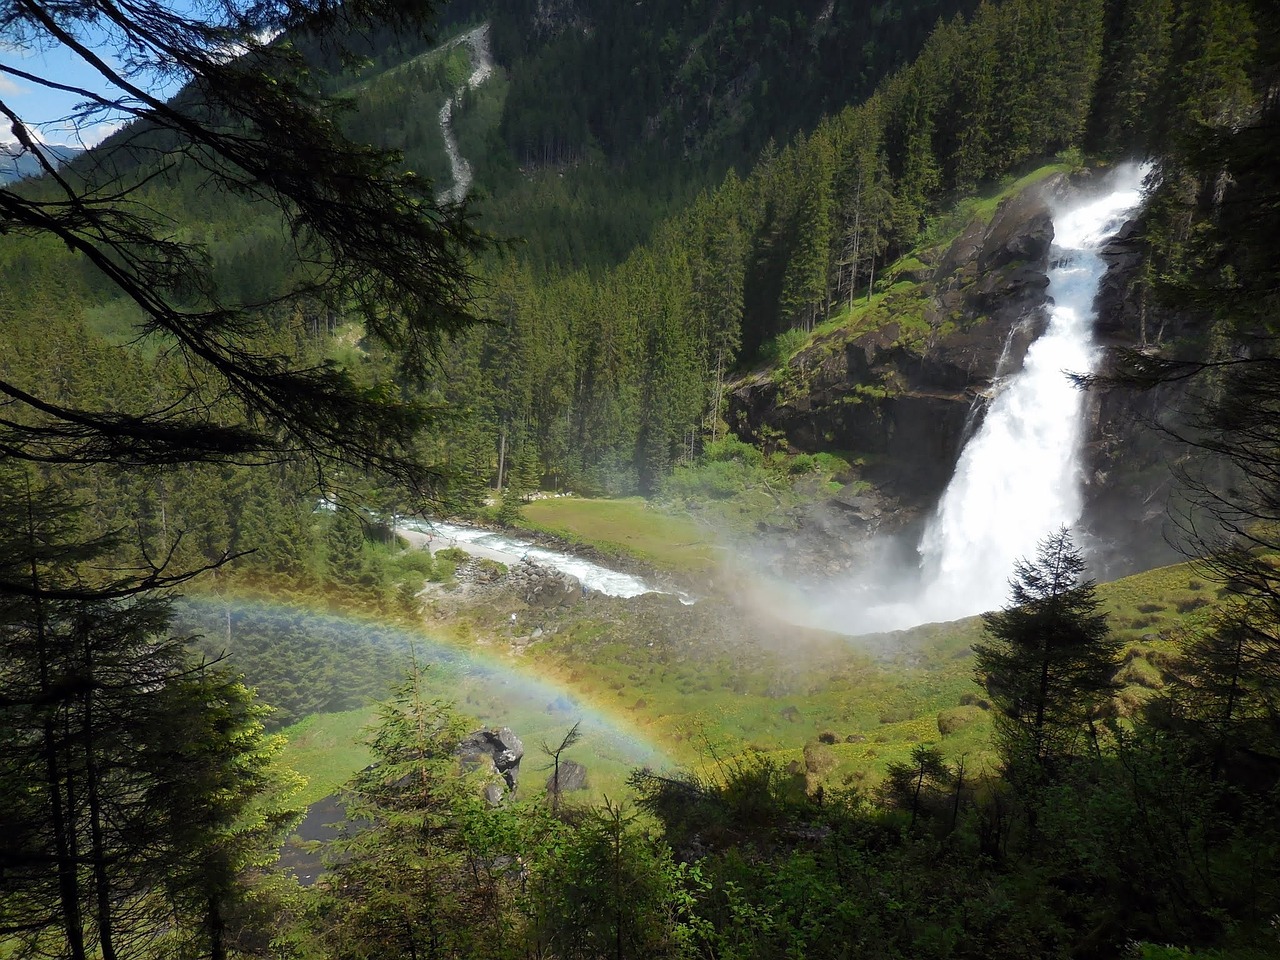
<point>1140,672</point>
<point>957,718</point>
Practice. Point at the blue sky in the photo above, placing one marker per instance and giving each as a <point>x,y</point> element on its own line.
<point>45,110</point>
<point>40,107</point>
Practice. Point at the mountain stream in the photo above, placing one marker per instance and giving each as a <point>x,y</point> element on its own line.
<point>510,550</point>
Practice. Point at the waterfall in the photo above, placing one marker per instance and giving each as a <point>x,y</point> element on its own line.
<point>478,40</point>
<point>1019,476</point>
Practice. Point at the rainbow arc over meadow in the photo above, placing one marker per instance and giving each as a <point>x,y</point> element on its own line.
<point>489,684</point>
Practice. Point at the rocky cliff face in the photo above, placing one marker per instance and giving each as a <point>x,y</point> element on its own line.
<point>903,387</point>
<point>1134,506</point>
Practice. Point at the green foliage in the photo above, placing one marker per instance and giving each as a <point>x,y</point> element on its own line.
<point>409,883</point>
<point>783,347</point>
<point>510,509</point>
<point>140,794</point>
<point>1048,663</point>
<point>453,555</point>
<point>745,274</point>
<point>614,890</point>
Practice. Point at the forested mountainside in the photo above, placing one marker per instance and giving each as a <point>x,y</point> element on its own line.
<point>706,81</point>
<point>230,359</point>
<point>607,381</point>
<point>625,372</point>
<point>650,103</point>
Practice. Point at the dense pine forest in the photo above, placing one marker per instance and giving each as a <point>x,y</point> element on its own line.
<point>249,331</point>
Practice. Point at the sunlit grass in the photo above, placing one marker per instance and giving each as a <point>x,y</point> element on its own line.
<point>328,749</point>
<point>628,527</point>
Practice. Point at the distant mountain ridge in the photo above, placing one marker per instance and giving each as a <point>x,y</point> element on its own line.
<point>16,162</point>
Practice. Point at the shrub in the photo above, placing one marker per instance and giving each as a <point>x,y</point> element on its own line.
<point>731,448</point>
<point>802,463</point>
<point>957,718</point>
<point>896,714</point>
<point>413,562</point>
<point>819,760</point>
<point>783,347</point>
<point>1140,672</point>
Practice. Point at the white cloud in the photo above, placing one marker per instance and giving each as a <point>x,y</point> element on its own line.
<point>9,88</point>
<point>61,134</point>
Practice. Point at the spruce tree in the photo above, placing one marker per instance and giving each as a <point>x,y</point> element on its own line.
<point>411,881</point>
<point>128,771</point>
<point>1048,662</point>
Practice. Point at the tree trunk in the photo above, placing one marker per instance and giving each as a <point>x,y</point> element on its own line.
<point>97,844</point>
<point>59,814</point>
<point>502,456</point>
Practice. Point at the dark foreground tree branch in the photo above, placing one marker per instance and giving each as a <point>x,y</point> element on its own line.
<point>367,240</point>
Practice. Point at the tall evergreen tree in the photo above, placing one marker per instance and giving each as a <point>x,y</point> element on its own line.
<point>412,882</point>
<point>96,702</point>
<point>1048,662</point>
<point>363,237</point>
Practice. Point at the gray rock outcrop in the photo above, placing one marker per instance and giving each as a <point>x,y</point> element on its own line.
<point>571,776</point>
<point>908,392</point>
<point>497,751</point>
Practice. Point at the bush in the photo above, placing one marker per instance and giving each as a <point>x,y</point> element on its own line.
<point>802,463</point>
<point>957,718</point>
<point>1140,672</point>
<point>509,508</point>
<point>819,760</point>
<point>896,714</point>
<point>731,448</point>
<point>783,347</point>
<point>413,562</point>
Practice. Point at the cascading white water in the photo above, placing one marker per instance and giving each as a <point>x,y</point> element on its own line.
<point>478,40</point>
<point>1019,477</point>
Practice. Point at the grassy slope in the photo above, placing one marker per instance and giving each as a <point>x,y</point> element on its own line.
<point>327,749</point>
<point>629,528</point>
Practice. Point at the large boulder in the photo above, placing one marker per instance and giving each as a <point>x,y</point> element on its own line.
<point>571,776</point>
<point>499,751</point>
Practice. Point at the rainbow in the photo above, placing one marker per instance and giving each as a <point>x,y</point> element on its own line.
<point>492,687</point>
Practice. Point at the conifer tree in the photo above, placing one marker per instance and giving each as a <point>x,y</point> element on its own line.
<point>404,885</point>
<point>366,239</point>
<point>111,738</point>
<point>1048,662</point>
